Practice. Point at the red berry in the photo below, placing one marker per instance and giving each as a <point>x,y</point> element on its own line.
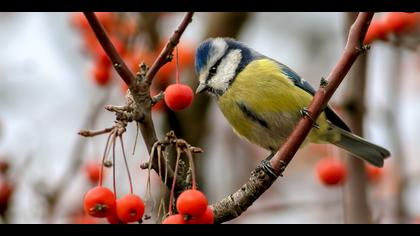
<point>113,218</point>
<point>206,218</point>
<point>374,173</point>
<point>99,202</point>
<point>174,220</point>
<point>331,171</point>
<point>178,96</point>
<point>376,31</point>
<point>191,202</point>
<point>102,74</point>
<point>6,191</point>
<point>399,21</point>
<point>130,208</point>
<point>93,171</point>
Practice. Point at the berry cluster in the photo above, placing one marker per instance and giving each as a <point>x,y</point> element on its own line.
<point>192,204</point>
<point>101,202</point>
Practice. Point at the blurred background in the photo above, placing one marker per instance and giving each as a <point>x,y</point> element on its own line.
<point>55,81</point>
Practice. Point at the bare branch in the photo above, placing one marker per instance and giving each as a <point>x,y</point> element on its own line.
<point>235,204</point>
<point>89,133</point>
<point>157,98</point>
<point>138,105</point>
<point>164,55</point>
<point>109,48</point>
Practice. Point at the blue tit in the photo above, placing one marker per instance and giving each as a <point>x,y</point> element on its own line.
<point>263,99</point>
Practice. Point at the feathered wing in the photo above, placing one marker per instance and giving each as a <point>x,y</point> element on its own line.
<point>350,142</point>
<point>331,115</point>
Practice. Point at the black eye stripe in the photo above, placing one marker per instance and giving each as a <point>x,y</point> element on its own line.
<point>213,69</point>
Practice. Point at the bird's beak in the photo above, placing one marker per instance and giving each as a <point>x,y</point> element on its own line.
<point>201,88</point>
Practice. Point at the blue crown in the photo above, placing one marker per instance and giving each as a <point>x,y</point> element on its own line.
<point>204,50</point>
<point>202,55</point>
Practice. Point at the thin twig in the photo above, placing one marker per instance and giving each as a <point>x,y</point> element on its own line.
<point>171,198</point>
<point>114,184</point>
<point>109,48</point>
<point>89,133</point>
<point>126,165</point>
<point>169,48</point>
<point>157,98</point>
<point>103,159</point>
<point>135,140</point>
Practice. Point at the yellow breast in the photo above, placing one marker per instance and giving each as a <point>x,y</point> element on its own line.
<point>263,105</point>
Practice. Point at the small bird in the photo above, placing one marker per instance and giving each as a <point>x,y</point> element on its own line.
<point>264,99</point>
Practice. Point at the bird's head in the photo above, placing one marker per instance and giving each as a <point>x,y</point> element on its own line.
<point>218,61</point>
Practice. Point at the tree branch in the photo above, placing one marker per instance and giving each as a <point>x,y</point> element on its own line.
<point>166,54</point>
<point>109,49</point>
<point>139,100</point>
<point>236,203</point>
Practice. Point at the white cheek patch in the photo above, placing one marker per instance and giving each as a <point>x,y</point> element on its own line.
<point>219,47</point>
<point>226,70</point>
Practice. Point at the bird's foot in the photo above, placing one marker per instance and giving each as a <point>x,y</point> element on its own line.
<point>304,112</point>
<point>266,166</point>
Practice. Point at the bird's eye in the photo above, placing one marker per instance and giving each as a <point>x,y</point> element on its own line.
<point>213,70</point>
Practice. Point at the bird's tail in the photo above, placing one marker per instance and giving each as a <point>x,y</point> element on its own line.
<point>361,148</point>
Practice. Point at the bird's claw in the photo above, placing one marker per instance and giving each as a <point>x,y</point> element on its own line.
<point>304,112</point>
<point>266,166</point>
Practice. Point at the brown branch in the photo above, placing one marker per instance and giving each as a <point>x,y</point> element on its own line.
<point>109,48</point>
<point>236,203</point>
<point>139,86</point>
<point>89,133</point>
<point>165,54</point>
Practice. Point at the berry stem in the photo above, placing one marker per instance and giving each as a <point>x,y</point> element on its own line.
<point>113,165</point>
<point>137,135</point>
<point>190,159</point>
<point>126,165</point>
<point>177,65</point>
<point>103,160</point>
<point>162,187</point>
<point>171,198</point>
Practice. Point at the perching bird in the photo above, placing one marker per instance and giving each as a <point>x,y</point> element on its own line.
<point>264,99</point>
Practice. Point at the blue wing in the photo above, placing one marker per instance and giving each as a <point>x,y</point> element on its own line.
<point>331,115</point>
